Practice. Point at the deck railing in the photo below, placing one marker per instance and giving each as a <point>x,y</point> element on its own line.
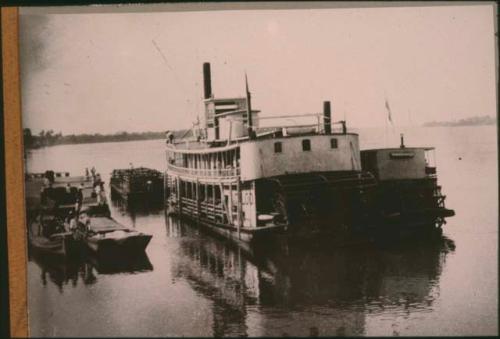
<point>210,173</point>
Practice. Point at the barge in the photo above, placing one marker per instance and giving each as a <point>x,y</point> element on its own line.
<point>136,184</point>
<point>248,183</point>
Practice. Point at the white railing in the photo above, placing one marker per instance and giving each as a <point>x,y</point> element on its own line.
<point>209,173</point>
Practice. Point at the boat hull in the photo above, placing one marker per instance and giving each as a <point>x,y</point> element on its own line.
<point>244,236</point>
<point>129,244</point>
<point>58,244</point>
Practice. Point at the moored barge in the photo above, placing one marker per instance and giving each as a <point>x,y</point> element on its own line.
<point>135,184</point>
<point>246,182</point>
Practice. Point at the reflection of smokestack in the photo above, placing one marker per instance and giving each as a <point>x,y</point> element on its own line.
<point>207,80</point>
<point>327,117</point>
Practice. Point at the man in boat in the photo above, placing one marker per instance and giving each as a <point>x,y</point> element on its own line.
<point>70,224</point>
<point>98,190</point>
<point>84,221</point>
<point>79,199</point>
<point>86,172</point>
<point>102,194</point>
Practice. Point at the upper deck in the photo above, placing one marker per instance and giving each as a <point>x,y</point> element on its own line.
<point>231,145</point>
<point>269,156</point>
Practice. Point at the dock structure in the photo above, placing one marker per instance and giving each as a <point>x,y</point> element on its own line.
<point>135,184</point>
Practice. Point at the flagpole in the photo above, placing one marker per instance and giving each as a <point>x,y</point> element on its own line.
<point>385,133</point>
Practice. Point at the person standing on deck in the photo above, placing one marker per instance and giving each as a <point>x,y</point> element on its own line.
<point>79,199</point>
<point>102,193</point>
<point>92,170</point>
<point>97,190</point>
<point>86,172</point>
<point>70,223</point>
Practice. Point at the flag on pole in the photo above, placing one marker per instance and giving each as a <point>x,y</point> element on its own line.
<point>389,115</point>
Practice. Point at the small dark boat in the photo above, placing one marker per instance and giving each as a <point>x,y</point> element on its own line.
<point>46,233</point>
<point>104,235</point>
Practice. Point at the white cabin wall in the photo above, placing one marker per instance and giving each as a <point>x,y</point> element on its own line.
<point>238,128</point>
<point>410,168</point>
<point>248,206</point>
<point>259,160</point>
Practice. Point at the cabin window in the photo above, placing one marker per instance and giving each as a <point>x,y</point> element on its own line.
<point>306,145</point>
<point>277,147</point>
<point>333,143</point>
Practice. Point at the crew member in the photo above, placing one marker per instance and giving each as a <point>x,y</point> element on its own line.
<point>79,198</point>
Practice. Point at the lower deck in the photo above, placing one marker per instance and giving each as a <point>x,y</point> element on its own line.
<point>347,200</point>
<point>248,208</point>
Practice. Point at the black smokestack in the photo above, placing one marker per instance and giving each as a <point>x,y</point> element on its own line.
<point>207,80</point>
<point>327,117</point>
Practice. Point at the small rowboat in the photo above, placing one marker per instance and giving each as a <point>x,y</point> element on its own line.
<point>46,234</point>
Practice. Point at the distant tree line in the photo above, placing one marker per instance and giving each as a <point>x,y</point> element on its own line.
<point>50,138</point>
<point>473,121</point>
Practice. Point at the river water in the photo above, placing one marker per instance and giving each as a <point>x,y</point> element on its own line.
<point>193,284</point>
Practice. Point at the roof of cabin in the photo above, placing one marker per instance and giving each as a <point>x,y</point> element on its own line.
<point>224,99</point>
<point>397,149</point>
<point>236,112</point>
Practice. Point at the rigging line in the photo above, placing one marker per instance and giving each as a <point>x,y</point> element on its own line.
<point>162,55</point>
<point>170,67</point>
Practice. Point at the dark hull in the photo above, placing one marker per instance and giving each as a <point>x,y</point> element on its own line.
<point>43,245</point>
<point>244,236</point>
<point>64,245</point>
<point>135,196</point>
<point>61,244</point>
<point>131,244</point>
<point>410,204</point>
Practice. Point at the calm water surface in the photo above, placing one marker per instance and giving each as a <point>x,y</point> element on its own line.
<point>193,284</point>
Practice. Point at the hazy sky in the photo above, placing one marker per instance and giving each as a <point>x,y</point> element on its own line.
<point>102,72</point>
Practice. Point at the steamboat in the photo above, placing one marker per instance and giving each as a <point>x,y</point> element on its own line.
<point>247,183</point>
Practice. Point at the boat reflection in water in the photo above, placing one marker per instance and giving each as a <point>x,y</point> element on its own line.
<point>141,207</point>
<point>305,290</point>
<point>62,271</point>
<point>133,209</point>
